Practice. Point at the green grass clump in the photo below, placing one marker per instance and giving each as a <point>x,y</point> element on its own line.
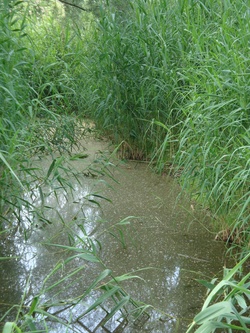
<point>131,74</point>
<point>214,139</point>
<point>226,305</point>
<point>169,79</point>
<point>172,80</point>
<point>38,89</point>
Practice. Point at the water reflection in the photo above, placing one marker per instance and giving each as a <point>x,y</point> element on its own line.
<point>172,280</point>
<point>165,238</point>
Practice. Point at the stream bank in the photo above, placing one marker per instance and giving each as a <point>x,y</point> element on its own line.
<point>144,226</point>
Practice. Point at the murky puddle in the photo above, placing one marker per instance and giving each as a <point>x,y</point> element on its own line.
<point>164,242</point>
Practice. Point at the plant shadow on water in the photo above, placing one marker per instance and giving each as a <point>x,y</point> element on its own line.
<point>70,271</point>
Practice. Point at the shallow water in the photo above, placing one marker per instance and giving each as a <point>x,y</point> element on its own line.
<point>165,244</point>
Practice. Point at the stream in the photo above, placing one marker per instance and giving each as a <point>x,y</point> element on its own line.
<point>139,222</point>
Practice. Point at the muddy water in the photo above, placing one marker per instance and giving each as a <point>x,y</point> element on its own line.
<point>164,242</point>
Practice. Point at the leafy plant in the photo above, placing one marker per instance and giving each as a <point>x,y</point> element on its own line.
<point>171,82</point>
<point>36,88</point>
<point>168,79</point>
<point>227,304</point>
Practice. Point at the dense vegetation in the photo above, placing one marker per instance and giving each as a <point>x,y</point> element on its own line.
<point>168,79</point>
<point>174,85</point>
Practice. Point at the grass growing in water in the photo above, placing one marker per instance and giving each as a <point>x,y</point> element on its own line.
<point>229,309</point>
<point>37,93</point>
<point>172,80</point>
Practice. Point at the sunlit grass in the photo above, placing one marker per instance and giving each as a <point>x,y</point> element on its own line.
<point>227,304</point>
<point>172,82</point>
<point>38,96</point>
<point>168,79</point>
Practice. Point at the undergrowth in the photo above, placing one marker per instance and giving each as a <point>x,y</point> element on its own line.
<point>168,79</point>
<point>39,103</point>
<point>172,81</point>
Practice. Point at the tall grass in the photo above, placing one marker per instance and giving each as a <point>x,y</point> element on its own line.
<point>37,90</point>
<point>14,92</point>
<point>214,139</point>
<point>130,74</point>
<point>172,80</point>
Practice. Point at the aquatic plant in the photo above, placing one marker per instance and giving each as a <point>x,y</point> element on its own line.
<point>35,86</point>
<point>227,305</point>
<point>50,306</point>
<point>129,74</point>
<point>168,79</point>
<point>171,80</point>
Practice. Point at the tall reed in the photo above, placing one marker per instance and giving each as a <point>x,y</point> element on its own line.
<point>38,90</point>
<point>172,80</point>
<point>214,139</point>
<point>130,74</point>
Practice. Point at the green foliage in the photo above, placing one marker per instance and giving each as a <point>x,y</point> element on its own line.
<point>130,73</point>
<point>227,304</point>
<point>37,84</point>
<point>168,79</point>
<point>13,92</point>
<point>214,139</point>
<point>50,305</point>
<point>54,59</point>
<point>172,81</point>
<point>12,84</point>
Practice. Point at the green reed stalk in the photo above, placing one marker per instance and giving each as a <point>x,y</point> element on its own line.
<point>37,84</point>
<point>171,79</point>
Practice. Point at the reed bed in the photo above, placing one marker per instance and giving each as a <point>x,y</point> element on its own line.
<point>167,80</point>
<point>171,79</point>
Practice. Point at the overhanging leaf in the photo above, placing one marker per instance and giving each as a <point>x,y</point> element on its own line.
<point>100,300</point>
<point>11,327</point>
<point>11,170</point>
<point>213,311</point>
<point>118,306</point>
